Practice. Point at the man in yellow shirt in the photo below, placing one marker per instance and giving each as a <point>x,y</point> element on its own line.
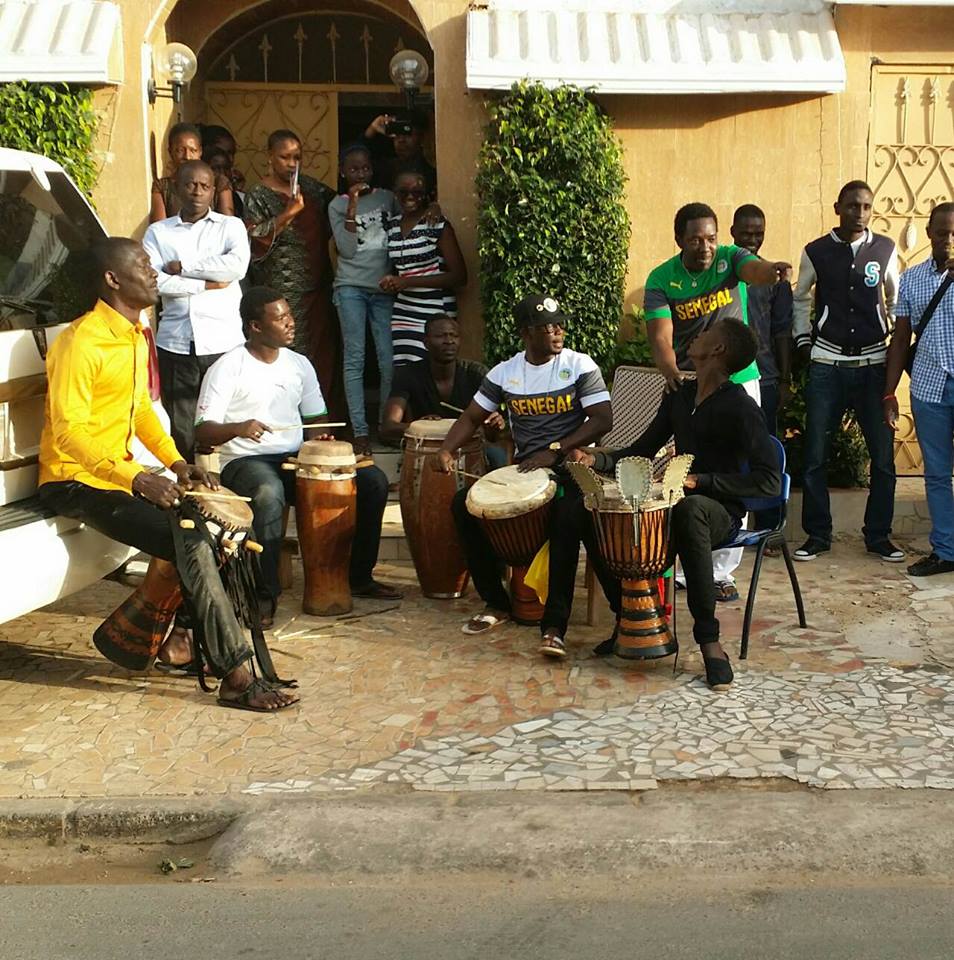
<point>97,402</point>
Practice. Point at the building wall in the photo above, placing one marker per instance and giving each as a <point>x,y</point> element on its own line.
<point>789,154</point>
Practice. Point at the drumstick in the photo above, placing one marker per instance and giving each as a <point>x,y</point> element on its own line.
<point>451,406</point>
<point>475,476</point>
<point>216,496</point>
<point>307,426</point>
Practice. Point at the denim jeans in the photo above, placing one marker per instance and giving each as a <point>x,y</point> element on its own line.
<point>357,307</point>
<point>935,426</point>
<point>832,390</point>
<point>271,488</point>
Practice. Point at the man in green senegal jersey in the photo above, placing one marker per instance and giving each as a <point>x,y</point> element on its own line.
<point>702,283</point>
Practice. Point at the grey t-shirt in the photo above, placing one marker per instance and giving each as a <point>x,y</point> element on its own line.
<point>545,402</point>
<point>362,255</point>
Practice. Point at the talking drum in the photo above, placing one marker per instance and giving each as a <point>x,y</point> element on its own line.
<point>514,511</point>
<point>325,512</point>
<point>132,634</point>
<point>634,545</point>
<point>426,497</point>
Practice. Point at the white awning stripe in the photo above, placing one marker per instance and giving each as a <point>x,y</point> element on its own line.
<point>76,41</point>
<point>627,51</point>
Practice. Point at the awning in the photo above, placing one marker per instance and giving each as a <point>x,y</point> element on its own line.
<point>617,47</point>
<point>76,41</point>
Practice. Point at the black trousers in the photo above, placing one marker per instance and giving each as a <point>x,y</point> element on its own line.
<point>140,524</point>
<point>180,377</point>
<point>270,488</point>
<point>566,531</point>
<point>699,525</point>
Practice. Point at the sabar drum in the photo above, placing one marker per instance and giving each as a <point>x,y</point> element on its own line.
<point>426,497</point>
<point>514,510</point>
<point>325,513</point>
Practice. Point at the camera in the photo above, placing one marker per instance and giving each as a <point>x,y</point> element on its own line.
<point>398,128</point>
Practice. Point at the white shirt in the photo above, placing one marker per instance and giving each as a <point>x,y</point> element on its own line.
<point>239,387</point>
<point>213,248</point>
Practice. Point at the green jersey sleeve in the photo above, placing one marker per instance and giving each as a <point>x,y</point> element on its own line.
<point>655,302</point>
<point>737,256</point>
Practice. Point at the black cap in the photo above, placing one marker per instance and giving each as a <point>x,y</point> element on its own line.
<point>538,309</point>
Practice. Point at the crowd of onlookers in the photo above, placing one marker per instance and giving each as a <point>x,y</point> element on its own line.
<point>373,252</point>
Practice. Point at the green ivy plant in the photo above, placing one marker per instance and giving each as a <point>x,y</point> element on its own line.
<point>552,217</point>
<point>53,120</point>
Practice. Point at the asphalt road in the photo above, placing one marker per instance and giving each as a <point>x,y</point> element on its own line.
<point>464,919</point>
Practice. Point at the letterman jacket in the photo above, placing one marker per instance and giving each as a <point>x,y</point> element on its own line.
<point>855,289</point>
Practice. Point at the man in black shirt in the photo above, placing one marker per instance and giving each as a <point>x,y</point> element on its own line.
<point>440,386</point>
<point>717,422</point>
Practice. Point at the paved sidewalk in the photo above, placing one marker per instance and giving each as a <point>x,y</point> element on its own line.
<point>835,705</point>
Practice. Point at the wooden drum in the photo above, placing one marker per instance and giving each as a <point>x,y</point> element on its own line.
<point>325,512</point>
<point>635,547</point>
<point>514,510</point>
<point>426,497</point>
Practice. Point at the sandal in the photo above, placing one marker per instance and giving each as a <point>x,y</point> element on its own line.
<point>243,699</point>
<point>719,673</point>
<point>188,669</point>
<point>726,591</point>
<point>553,645</point>
<point>484,622</point>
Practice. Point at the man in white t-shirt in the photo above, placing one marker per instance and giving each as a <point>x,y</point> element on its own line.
<point>555,400</point>
<point>263,384</point>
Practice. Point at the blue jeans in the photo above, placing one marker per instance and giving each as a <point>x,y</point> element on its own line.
<point>270,488</point>
<point>935,426</point>
<point>358,306</point>
<point>833,390</point>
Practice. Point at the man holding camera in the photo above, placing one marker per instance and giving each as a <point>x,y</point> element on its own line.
<point>405,134</point>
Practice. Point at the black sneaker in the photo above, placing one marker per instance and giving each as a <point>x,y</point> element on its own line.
<point>811,548</point>
<point>719,673</point>
<point>887,551</point>
<point>930,565</point>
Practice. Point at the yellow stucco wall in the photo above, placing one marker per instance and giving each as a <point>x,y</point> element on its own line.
<point>789,154</point>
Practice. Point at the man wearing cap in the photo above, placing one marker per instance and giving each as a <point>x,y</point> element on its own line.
<point>555,400</point>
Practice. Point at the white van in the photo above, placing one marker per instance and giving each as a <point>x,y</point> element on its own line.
<point>45,225</point>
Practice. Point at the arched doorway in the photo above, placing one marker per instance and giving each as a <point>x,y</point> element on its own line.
<point>306,65</point>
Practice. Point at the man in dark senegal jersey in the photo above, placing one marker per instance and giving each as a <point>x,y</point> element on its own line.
<point>703,283</point>
<point>556,401</point>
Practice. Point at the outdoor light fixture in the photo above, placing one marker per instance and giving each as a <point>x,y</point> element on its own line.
<point>409,72</point>
<point>177,64</point>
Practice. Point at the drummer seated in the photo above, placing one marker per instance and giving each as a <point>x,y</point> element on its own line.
<point>98,399</point>
<point>438,387</point>
<point>263,385</point>
<point>723,428</point>
<point>556,401</point>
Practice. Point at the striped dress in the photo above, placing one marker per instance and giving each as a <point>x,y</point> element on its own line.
<point>416,255</point>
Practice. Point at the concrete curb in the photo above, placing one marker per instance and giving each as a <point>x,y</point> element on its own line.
<point>714,830</point>
<point>180,820</point>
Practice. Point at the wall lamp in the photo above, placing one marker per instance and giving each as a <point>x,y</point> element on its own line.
<point>177,65</point>
<point>409,72</point>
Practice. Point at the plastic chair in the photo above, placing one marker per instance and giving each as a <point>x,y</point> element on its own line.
<point>760,539</point>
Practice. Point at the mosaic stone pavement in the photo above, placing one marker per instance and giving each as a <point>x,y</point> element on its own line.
<point>391,680</point>
<point>877,727</point>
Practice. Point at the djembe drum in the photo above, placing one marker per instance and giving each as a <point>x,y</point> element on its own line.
<point>426,497</point>
<point>634,545</point>
<point>133,633</point>
<point>514,511</point>
<point>631,521</point>
<point>325,516</point>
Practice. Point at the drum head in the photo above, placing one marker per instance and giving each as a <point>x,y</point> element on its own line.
<point>335,452</point>
<point>508,493</point>
<point>429,429</point>
<point>231,514</point>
